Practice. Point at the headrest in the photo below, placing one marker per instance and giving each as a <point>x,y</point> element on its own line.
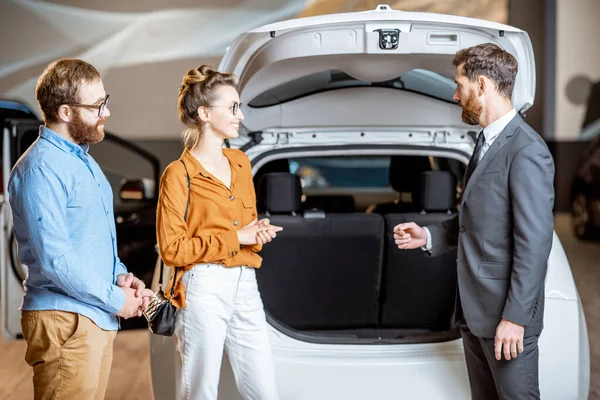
<point>405,173</point>
<point>279,165</point>
<point>279,193</point>
<point>438,191</point>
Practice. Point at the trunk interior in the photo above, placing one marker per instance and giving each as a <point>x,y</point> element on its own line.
<point>335,274</point>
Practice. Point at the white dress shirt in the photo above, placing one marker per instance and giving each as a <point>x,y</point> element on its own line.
<point>493,130</point>
<point>490,133</point>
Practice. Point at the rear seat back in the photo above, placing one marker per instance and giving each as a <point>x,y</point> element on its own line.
<point>322,272</point>
<point>331,204</point>
<point>419,291</point>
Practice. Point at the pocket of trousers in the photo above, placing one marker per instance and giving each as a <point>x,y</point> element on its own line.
<point>69,327</point>
<point>35,334</point>
<point>187,280</point>
<point>46,332</point>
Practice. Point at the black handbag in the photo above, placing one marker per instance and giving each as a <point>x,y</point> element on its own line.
<point>161,313</point>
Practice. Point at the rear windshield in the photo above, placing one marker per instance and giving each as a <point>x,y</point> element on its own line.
<point>323,172</point>
<point>417,80</point>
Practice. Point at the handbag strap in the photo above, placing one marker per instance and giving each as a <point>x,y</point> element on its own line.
<point>187,205</point>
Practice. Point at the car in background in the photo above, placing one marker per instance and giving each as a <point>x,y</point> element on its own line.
<point>585,201</point>
<point>333,102</point>
<point>585,193</point>
<point>131,172</point>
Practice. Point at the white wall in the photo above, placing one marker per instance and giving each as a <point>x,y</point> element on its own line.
<point>143,48</point>
<point>577,54</point>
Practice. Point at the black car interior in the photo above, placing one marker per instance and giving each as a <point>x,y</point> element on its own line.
<point>341,272</point>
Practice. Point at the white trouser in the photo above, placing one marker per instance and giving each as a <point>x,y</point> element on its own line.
<point>223,308</point>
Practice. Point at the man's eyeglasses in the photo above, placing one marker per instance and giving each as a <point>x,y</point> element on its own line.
<point>235,107</point>
<point>100,106</point>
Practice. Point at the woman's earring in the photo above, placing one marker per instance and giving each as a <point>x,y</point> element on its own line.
<point>207,126</point>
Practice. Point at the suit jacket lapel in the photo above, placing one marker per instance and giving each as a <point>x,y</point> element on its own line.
<point>500,141</point>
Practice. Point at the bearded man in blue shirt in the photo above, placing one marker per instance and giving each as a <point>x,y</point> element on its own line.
<point>62,206</point>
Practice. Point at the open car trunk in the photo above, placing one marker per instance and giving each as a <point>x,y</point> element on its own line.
<point>335,274</point>
<point>340,276</point>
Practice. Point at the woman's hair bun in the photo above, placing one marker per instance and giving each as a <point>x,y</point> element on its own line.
<point>198,75</point>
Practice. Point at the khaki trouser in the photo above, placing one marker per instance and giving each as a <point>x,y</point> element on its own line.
<point>71,356</point>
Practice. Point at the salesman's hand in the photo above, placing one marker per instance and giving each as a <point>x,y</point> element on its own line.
<point>409,236</point>
<point>510,337</point>
<point>269,233</point>
<point>132,304</point>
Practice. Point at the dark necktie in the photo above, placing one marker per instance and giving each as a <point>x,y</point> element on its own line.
<point>475,157</point>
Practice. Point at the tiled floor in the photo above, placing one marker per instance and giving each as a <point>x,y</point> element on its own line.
<point>130,375</point>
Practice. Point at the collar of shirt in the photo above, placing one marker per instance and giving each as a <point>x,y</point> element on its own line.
<point>194,167</point>
<point>65,145</point>
<point>494,129</point>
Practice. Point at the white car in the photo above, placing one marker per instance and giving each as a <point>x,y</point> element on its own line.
<point>352,103</point>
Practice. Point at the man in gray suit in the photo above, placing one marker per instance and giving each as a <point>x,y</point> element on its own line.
<point>503,231</point>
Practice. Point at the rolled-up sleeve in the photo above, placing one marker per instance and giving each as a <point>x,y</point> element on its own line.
<point>39,204</point>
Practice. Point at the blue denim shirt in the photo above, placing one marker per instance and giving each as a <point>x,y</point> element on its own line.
<point>62,207</point>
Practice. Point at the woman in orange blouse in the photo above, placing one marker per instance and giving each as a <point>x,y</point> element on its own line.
<point>217,245</point>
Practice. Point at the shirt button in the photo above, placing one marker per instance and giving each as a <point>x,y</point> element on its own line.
<point>234,253</point>
<point>235,223</point>
<point>232,197</point>
<point>107,212</point>
<point>461,229</point>
<point>98,185</point>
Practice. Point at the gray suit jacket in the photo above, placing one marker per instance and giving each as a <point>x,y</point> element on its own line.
<point>504,233</point>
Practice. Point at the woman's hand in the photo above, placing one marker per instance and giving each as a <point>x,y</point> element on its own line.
<point>248,234</point>
<point>269,233</point>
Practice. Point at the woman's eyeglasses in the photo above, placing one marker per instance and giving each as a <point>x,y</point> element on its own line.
<point>235,107</point>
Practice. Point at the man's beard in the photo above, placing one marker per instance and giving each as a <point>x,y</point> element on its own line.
<point>83,133</point>
<point>471,110</point>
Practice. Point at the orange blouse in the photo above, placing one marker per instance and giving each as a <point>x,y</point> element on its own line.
<point>215,213</point>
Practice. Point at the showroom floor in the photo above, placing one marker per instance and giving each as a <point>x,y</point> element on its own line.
<point>130,375</point>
